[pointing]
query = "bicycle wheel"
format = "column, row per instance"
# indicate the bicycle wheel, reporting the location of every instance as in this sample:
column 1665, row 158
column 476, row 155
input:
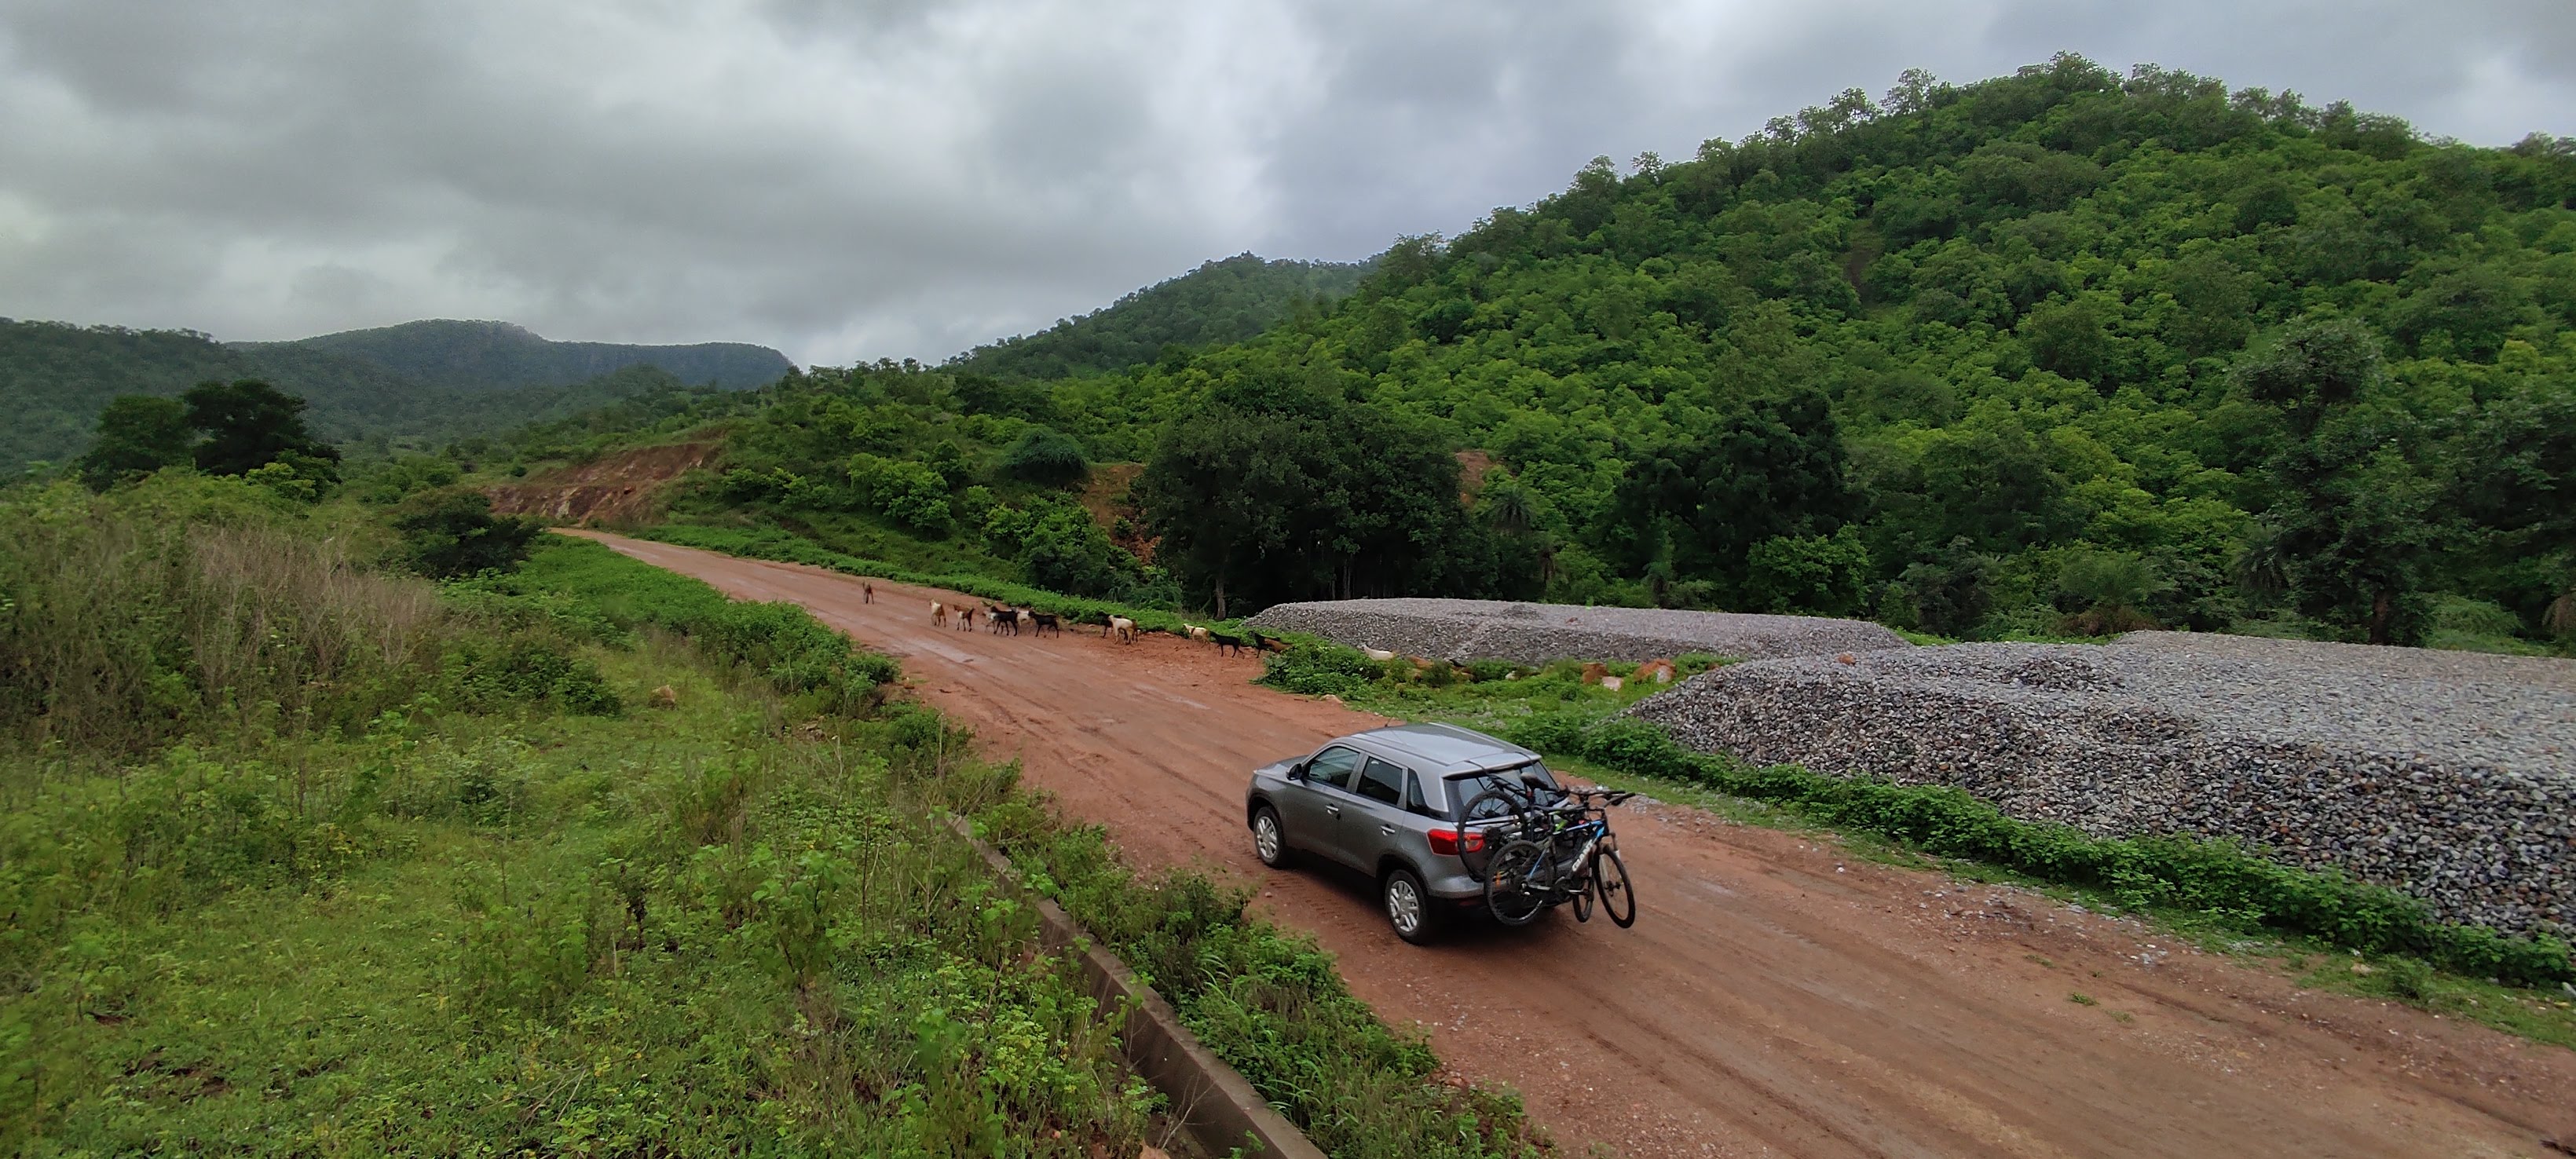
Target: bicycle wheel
column 1618, row 894
column 1496, row 814
column 1520, row 883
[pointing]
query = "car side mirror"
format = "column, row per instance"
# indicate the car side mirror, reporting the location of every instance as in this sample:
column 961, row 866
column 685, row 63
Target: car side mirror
column 1530, row 780
column 1297, row 772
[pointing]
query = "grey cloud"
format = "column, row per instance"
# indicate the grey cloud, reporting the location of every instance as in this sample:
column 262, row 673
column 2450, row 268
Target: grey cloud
column 849, row 181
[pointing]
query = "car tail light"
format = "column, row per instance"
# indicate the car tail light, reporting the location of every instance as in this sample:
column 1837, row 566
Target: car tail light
column 1451, row 843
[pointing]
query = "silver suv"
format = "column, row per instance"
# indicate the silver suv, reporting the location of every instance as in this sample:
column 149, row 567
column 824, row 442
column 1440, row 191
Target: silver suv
column 1388, row 803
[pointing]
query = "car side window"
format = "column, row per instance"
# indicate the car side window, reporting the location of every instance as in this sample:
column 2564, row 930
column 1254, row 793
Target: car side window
column 1332, row 767
column 1382, row 782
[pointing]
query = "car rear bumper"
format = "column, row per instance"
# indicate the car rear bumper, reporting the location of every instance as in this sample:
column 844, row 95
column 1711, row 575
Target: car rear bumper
column 1455, row 884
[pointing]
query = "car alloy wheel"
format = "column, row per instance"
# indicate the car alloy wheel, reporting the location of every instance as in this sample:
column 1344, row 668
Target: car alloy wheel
column 1267, row 841
column 1407, row 909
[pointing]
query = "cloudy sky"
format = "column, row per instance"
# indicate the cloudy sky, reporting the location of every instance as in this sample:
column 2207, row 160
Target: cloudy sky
column 852, row 179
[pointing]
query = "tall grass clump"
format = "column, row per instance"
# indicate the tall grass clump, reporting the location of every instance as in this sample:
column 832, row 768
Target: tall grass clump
column 128, row 619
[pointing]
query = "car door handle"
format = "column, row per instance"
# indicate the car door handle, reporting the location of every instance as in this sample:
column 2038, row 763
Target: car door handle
column 1333, row 810
column 1388, row 830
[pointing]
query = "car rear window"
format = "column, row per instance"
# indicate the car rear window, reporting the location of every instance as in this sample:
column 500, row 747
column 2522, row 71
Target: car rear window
column 1469, row 786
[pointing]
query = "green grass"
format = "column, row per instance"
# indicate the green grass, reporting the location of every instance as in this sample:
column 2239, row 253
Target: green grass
column 727, row 925
column 678, row 931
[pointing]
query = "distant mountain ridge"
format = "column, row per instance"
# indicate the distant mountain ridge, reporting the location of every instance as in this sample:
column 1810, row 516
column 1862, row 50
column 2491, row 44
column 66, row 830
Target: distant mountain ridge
column 477, row 355
column 1222, row 301
column 415, row 383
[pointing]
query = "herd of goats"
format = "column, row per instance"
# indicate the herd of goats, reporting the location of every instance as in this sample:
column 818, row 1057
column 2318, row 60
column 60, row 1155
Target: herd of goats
column 1003, row 619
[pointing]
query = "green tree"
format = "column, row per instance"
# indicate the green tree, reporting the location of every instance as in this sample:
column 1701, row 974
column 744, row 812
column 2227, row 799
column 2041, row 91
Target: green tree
column 1824, row 575
column 2356, row 517
column 1772, row 471
column 451, row 532
column 249, row 424
column 2109, row 591
column 1223, row 492
column 137, row 435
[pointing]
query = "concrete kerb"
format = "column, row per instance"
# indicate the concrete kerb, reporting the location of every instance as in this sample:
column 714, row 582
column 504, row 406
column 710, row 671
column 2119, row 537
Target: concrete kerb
column 1213, row 1101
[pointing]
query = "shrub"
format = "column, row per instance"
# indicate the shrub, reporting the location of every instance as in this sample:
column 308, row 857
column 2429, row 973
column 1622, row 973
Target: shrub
column 902, row 490
column 1319, row 668
column 488, row 675
column 1046, row 457
column 451, row 532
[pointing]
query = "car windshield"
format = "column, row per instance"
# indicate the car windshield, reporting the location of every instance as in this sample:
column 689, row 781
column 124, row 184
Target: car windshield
column 1467, row 787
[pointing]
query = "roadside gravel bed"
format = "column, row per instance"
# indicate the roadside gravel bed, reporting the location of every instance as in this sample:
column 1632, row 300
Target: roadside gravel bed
column 2449, row 775
column 1464, row 630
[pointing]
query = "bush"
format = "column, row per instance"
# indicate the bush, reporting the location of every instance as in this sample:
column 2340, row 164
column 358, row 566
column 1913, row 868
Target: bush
column 489, row 675
column 451, row 532
column 1319, row 668
column 1046, row 457
column 902, row 490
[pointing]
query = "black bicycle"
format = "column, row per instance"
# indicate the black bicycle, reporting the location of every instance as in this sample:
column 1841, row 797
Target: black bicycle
column 1552, row 847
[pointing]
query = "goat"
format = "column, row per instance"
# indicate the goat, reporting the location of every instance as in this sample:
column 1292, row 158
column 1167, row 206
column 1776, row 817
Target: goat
column 1046, row 622
column 1261, row 643
column 1006, row 620
column 1225, row 641
column 966, row 619
column 1121, row 627
column 938, row 614
column 1380, row 655
column 1195, row 632
column 867, row 593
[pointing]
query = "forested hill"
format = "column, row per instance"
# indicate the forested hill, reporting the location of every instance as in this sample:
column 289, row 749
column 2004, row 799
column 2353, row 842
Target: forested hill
column 1221, row 301
column 500, row 356
column 1981, row 358
column 55, row 378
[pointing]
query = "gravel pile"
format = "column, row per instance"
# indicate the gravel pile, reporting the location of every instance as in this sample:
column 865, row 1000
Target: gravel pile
column 2449, row 775
column 1538, row 633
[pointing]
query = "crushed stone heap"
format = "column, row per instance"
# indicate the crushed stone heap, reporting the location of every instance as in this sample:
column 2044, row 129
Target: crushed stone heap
column 2449, row 775
column 1539, row 633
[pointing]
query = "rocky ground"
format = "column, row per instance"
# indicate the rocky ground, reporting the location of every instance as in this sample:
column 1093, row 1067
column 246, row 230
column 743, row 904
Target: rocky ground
column 2450, row 775
column 1538, row 633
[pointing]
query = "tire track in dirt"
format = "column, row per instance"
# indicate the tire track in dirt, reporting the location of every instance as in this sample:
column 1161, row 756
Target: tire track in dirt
column 1775, row 998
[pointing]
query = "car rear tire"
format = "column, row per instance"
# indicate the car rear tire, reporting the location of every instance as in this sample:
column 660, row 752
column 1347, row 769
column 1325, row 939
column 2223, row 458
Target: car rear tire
column 1409, row 908
column 1269, row 839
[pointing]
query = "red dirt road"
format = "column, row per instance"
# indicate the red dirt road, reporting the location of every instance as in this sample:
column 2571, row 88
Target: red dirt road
column 1774, row 998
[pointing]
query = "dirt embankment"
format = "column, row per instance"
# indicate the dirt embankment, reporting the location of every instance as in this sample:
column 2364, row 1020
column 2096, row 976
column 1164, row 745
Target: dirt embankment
column 620, row 490
column 1106, row 495
column 1777, row 996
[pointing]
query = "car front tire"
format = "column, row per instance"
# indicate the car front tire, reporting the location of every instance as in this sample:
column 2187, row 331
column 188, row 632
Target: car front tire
column 1269, row 839
column 1412, row 910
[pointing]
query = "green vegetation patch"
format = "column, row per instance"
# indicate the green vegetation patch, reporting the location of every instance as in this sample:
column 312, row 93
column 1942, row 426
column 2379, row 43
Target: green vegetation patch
column 790, row 548
column 501, row 898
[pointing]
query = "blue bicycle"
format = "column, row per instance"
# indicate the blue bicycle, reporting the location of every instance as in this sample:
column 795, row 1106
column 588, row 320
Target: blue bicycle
column 1553, row 853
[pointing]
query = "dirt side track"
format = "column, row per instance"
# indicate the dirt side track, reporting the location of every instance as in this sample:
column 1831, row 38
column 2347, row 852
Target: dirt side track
column 1773, row 999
